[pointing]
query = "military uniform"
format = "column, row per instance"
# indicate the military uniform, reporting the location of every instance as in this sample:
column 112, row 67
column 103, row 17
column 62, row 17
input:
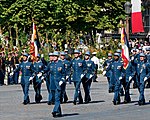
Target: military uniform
column 108, row 74
column 143, row 73
column 38, row 67
column 117, row 74
column 57, row 77
column 87, row 80
column 27, row 70
column 79, row 70
column 64, row 97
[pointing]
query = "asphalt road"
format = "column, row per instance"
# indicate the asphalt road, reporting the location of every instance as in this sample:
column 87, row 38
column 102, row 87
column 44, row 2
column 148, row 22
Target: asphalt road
column 100, row 108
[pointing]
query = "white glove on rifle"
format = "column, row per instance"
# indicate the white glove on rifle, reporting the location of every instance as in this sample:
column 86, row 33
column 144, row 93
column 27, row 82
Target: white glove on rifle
column 11, row 74
column 42, row 78
column 60, row 83
column 82, row 75
column 91, row 76
column 120, row 78
column 132, row 58
column 130, row 78
column 67, row 77
column 104, row 73
column 39, row 75
column 31, row 78
column 145, row 78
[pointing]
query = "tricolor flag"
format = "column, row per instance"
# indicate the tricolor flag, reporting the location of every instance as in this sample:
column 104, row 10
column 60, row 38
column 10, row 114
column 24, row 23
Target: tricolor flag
column 137, row 23
column 125, row 48
column 35, row 44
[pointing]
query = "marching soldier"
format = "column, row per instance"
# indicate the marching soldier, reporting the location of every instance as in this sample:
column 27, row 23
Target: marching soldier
column 51, row 94
column 67, row 64
column 133, row 58
column 108, row 74
column 57, row 77
column 27, row 70
column 79, row 71
column 117, row 74
column 38, row 67
column 143, row 73
column 87, row 80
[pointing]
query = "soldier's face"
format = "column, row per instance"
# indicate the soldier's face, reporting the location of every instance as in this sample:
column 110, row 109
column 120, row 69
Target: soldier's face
column 24, row 58
column 87, row 57
column 55, row 58
column 51, row 58
column 62, row 57
column 76, row 55
column 109, row 57
column 116, row 57
column 141, row 58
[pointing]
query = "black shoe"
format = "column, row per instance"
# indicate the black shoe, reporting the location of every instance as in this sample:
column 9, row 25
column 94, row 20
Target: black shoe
column 141, row 102
column 74, row 102
column 65, row 101
column 49, row 103
column 26, row 102
column 55, row 114
column 81, row 102
column 110, row 90
column 86, row 102
column 127, row 101
column 116, row 102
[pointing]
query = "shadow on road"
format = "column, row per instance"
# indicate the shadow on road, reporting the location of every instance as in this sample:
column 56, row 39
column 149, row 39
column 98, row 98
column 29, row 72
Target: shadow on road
column 38, row 103
column 97, row 101
column 72, row 114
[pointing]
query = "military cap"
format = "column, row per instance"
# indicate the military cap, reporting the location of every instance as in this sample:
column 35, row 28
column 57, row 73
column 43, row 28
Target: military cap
column 38, row 55
column 25, row 54
column 50, row 54
column 142, row 55
column 62, row 53
column 117, row 54
column 134, row 49
column 118, row 51
column 76, row 51
column 55, row 53
column 88, row 53
column 109, row 55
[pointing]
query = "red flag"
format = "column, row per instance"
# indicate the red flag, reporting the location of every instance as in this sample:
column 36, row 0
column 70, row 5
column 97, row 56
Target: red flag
column 35, row 44
column 125, row 48
column 137, row 23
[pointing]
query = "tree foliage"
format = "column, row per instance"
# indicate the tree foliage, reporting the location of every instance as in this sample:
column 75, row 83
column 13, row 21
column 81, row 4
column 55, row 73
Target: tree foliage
column 53, row 16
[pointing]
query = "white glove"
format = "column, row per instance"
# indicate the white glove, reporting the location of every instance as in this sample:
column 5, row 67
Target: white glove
column 120, row 78
column 39, row 75
column 42, row 78
column 104, row 72
column 82, row 75
column 91, row 76
column 31, row 78
column 11, row 74
column 130, row 78
column 132, row 58
column 67, row 77
column 60, row 83
column 145, row 78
